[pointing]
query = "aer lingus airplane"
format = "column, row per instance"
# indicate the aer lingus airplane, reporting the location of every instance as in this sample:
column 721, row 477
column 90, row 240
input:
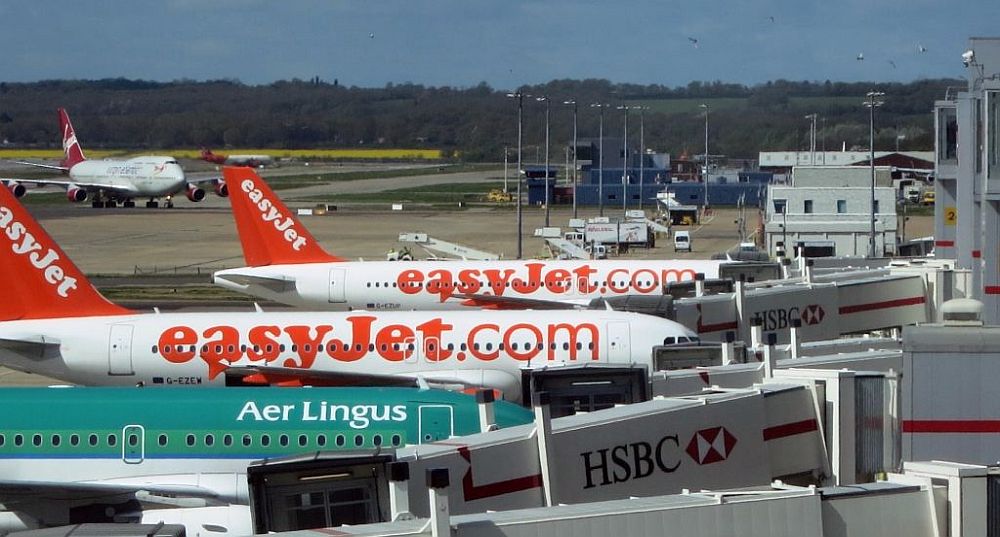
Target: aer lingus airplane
column 53, row 322
column 287, row 265
column 73, row 455
column 110, row 182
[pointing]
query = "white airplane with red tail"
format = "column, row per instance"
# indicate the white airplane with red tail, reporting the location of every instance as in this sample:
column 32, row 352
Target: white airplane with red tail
column 110, row 182
column 55, row 323
column 287, row 265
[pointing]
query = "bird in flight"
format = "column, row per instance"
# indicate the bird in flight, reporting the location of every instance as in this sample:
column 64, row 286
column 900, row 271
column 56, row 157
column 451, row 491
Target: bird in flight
column 921, row 48
column 892, row 63
column 693, row 41
column 771, row 18
column 371, row 35
column 861, row 56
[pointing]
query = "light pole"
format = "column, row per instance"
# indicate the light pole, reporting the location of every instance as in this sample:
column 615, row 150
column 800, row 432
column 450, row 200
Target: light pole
column 520, row 108
column 812, row 139
column 625, row 108
column 546, row 100
column 642, row 150
column 873, row 99
column 575, row 181
column 600, row 158
column 704, row 175
column 505, row 169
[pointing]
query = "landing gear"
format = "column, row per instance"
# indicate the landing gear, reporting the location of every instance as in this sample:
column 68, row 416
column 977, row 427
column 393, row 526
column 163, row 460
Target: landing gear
column 110, row 204
column 128, row 204
column 170, row 204
column 152, row 204
column 97, row 204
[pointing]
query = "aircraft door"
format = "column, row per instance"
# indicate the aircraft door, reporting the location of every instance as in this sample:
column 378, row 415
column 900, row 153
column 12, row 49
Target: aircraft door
column 619, row 350
column 120, row 350
column 436, row 423
column 338, row 287
column 133, row 444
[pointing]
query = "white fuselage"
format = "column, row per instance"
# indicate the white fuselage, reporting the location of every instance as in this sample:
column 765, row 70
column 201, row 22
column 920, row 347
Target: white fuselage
column 440, row 285
column 480, row 348
column 150, row 176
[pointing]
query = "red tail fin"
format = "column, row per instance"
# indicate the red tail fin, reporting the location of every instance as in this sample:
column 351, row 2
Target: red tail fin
column 208, row 156
column 269, row 232
column 42, row 283
column 72, row 152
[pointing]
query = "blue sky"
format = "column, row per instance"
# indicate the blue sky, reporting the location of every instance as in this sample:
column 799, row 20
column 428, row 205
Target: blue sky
column 504, row 43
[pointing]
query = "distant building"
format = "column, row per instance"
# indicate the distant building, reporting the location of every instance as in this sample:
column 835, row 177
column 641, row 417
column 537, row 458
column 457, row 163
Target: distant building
column 784, row 161
column 832, row 205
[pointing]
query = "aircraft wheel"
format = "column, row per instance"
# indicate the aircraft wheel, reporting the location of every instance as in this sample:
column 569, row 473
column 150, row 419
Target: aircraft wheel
column 170, row 205
column 128, row 203
column 152, row 204
column 110, row 204
column 97, row 204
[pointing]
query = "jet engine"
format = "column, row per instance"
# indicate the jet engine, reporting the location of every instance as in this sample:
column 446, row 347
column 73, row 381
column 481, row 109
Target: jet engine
column 76, row 194
column 17, row 189
column 221, row 189
column 194, row 193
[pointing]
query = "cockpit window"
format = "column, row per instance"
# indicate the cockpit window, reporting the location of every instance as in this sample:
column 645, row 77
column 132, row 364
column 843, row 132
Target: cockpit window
column 171, row 162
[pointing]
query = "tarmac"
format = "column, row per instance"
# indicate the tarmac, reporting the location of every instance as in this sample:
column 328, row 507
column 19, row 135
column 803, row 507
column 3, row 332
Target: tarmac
column 196, row 239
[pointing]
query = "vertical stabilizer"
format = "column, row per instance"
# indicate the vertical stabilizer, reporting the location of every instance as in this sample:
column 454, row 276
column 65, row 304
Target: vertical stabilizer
column 40, row 281
column 268, row 230
column 72, row 152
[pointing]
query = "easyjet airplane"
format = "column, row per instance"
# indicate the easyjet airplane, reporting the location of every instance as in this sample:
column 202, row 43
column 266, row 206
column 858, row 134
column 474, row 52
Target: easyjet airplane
column 72, row 455
column 53, row 322
column 109, row 182
column 287, row 265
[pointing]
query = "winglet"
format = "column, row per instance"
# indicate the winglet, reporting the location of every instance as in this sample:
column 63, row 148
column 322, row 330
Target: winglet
column 268, row 230
column 42, row 283
column 73, row 153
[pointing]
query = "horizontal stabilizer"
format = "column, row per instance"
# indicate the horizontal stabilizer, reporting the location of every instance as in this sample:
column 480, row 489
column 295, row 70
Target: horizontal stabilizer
column 13, row 492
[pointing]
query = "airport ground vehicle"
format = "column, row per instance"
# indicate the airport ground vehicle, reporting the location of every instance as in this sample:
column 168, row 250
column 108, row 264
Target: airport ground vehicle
column 682, row 241
column 927, row 198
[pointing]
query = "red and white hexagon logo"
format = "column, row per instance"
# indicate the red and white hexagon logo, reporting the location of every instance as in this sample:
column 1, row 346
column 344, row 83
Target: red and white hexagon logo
column 711, row 445
column 812, row 314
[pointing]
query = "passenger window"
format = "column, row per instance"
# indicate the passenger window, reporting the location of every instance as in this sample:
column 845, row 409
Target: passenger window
column 340, row 440
column 265, row 440
column 56, row 440
column 209, row 440
column 92, row 440
column 36, row 440
column 74, row 439
column 283, row 440
column 227, row 440
column 247, row 440
column 396, row 440
column 190, row 440
column 321, row 440
column 3, row 440
column 112, row 440
column 359, row 440
column 303, row 440
column 133, row 439
column 377, row 440
column 18, row 440
column 161, row 440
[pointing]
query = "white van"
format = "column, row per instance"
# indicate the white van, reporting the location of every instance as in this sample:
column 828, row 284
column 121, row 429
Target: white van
column 682, row 241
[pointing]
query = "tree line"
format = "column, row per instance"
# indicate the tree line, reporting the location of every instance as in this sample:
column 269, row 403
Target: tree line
column 473, row 124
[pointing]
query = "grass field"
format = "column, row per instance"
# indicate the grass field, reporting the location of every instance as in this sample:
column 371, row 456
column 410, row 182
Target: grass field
column 451, row 193
column 296, row 181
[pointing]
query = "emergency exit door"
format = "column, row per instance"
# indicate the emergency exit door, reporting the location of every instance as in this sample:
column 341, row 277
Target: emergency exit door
column 436, row 423
column 120, row 350
column 337, row 286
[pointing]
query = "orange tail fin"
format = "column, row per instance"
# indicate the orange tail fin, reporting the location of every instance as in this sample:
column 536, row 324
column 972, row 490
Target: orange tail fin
column 73, row 153
column 268, row 230
column 42, row 283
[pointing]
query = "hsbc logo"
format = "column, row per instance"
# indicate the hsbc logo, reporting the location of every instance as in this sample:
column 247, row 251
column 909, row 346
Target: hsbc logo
column 812, row 314
column 781, row 318
column 636, row 460
column 711, row 445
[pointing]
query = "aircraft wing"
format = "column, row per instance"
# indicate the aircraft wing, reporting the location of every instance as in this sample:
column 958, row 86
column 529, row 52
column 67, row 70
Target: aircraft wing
column 290, row 376
column 494, row 302
column 275, row 283
column 39, row 165
column 14, row 491
column 89, row 187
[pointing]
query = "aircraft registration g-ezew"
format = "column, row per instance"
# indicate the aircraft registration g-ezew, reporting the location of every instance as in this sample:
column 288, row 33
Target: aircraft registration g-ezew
column 54, row 322
column 110, row 182
column 287, row 265
column 72, row 455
